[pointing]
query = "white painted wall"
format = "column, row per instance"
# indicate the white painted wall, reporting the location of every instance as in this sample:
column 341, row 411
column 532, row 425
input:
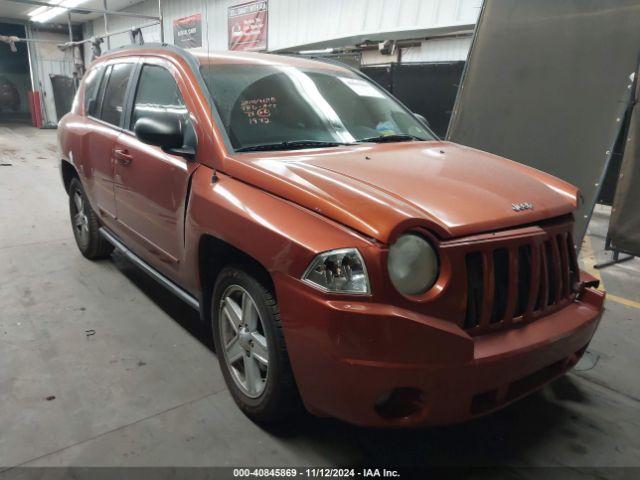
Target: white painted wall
column 300, row 22
column 438, row 50
column 433, row 50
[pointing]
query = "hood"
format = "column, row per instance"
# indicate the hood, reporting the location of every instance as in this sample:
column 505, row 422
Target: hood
column 381, row 189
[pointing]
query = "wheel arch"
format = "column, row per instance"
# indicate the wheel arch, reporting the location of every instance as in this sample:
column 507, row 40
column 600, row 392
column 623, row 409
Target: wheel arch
column 213, row 255
column 68, row 173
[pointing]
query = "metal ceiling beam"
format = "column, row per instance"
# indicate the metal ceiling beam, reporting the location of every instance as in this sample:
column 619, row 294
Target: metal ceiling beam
column 9, row 39
column 107, row 35
column 106, row 24
column 78, row 9
column 12, row 39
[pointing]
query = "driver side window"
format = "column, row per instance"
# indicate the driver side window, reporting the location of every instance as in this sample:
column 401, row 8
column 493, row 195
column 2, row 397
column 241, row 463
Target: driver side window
column 158, row 96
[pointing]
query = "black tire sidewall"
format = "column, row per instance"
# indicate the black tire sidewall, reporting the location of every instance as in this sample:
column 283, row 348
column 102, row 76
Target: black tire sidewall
column 96, row 247
column 264, row 406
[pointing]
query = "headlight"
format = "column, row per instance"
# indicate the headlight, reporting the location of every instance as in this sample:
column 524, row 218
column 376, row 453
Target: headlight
column 338, row 271
column 412, row 264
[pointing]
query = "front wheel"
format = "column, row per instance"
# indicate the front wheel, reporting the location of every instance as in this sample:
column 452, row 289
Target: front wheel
column 250, row 347
column 85, row 224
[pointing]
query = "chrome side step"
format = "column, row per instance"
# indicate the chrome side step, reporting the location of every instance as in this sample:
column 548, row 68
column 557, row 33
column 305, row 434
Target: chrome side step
column 152, row 272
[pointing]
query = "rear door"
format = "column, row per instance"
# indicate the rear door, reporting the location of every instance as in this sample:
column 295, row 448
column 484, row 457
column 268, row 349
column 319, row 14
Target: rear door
column 104, row 106
column 151, row 186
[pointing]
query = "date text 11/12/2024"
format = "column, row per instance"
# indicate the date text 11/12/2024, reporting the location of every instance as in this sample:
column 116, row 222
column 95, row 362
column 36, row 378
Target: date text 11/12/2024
column 316, row 473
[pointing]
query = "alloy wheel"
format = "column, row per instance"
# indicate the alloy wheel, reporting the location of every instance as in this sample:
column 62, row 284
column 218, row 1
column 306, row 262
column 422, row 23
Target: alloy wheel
column 244, row 341
column 80, row 219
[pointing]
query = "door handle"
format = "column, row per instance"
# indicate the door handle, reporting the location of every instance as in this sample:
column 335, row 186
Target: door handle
column 122, row 156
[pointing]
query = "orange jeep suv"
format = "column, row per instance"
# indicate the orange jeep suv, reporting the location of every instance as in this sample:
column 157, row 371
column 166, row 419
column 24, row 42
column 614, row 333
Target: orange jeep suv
column 346, row 258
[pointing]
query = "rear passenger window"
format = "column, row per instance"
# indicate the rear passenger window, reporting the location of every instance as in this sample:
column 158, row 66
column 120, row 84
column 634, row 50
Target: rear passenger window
column 113, row 99
column 91, row 87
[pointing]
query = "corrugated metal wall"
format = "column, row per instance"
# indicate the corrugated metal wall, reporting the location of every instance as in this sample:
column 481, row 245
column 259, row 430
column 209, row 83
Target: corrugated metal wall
column 47, row 59
column 299, row 22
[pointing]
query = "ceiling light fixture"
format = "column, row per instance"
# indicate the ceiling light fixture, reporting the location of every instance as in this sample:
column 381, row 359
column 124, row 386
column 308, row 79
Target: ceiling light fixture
column 45, row 14
column 39, row 10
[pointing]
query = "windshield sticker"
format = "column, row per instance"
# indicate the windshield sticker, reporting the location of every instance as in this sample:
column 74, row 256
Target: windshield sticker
column 387, row 128
column 259, row 110
column 362, row 88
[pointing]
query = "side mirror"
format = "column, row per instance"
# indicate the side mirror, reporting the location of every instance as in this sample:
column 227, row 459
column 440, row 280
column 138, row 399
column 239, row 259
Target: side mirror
column 165, row 133
column 422, row 119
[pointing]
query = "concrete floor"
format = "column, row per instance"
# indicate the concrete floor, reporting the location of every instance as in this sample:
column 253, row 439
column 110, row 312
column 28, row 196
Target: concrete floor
column 146, row 389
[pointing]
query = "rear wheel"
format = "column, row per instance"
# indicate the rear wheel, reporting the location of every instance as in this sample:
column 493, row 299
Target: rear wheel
column 85, row 224
column 250, row 347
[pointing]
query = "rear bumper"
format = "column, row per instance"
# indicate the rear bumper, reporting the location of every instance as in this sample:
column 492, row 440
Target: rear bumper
column 377, row 365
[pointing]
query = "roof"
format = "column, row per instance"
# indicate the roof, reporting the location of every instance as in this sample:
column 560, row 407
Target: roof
column 219, row 57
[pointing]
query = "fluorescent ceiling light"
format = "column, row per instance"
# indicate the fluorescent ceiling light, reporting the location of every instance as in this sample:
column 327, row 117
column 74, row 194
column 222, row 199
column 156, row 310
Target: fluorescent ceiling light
column 44, row 14
column 310, row 52
column 42, row 9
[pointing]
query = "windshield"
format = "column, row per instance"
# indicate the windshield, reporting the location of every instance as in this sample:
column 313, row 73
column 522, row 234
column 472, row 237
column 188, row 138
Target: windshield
column 291, row 107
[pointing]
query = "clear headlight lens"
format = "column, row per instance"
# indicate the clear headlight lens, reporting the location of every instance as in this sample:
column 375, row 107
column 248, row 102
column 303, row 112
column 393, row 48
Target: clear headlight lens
column 338, row 271
column 412, row 264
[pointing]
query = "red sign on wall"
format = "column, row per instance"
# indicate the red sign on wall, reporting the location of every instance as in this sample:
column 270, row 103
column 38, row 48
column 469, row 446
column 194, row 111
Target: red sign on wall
column 248, row 26
column 187, row 31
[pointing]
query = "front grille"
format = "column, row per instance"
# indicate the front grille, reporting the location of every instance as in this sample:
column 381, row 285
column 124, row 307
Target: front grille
column 520, row 279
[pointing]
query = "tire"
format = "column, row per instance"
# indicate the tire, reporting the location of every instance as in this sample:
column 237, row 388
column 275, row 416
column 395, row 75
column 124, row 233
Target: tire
column 85, row 224
column 274, row 396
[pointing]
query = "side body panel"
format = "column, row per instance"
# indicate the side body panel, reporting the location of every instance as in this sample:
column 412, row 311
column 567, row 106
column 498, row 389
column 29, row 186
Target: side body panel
column 151, row 194
column 153, row 200
column 89, row 147
column 152, row 188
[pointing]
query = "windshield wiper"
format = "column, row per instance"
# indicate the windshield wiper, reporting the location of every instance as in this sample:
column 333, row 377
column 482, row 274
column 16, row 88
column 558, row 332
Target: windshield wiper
column 290, row 145
column 396, row 137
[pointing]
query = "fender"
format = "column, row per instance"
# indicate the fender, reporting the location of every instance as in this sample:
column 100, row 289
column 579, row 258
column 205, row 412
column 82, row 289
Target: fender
column 281, row 236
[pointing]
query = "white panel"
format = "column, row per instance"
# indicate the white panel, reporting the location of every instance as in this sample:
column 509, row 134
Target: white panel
column 438, row 50
column 374, row 57
column 470, row 11
column 299, row 22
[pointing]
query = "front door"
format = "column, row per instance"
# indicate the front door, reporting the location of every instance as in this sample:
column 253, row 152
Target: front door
column 151, row 186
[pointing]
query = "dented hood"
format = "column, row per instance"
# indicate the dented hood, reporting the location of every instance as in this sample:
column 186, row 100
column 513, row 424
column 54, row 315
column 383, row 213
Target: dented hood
column 381, row 189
